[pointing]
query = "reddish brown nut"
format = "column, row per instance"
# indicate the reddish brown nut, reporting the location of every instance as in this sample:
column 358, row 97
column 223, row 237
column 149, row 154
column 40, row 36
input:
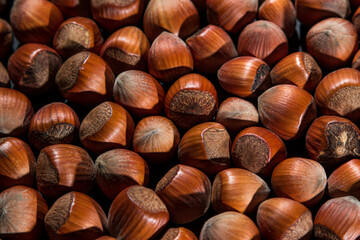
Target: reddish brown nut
column 114, row 14
column 62, row 168
column 169, row 57
column 236, row 189
column 191, row 100
column 300, row 179
column 356, row 61
column 140, row 93
column 156, row 139
column 345, row 180
column 226, row 226
column 264, row 40
column 293, row 220
column 245, row 77
column 72, row 8
column 179, row 233
column 186, row 192
column 338, row 218
column 53, row 124
column 211, row 47
column 4, row 76
column 33, row 68
column 75, row 216
column 105, row 238
column 206, row 147
column 35, row 21
column 332, row 42
column 73, row 78
column 6, row 38
column 118, row 169
column 309, row 12
column 236, row 114
column 232, row 15
column 280, row 12
column 258, row 150
column 137, row 213
column 106, row 127
column 76, row 35
column 17, row 163
column 15, row 113
column 22, row 213
column 286, row 110
column 299, row 69
column 337, row 94
column 126, row 49
column 332, row 140
column 178, row 17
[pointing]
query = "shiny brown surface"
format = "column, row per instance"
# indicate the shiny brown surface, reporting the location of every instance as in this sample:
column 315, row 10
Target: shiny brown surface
column 114, row 14
column 75, row 216
column 258, row 150
column 169, row 58
column 137, row 213
column 20, row 202
column 139, row 92
column 300, row 179
column 62, row 168
column 338, row 218
column 280, row 12
column 191, row 100
column 336, row 94
column 236, row 189
column 236, row 114
column 345, row 180
column 179, row 233
column 156, row 139
column 206, row 147
column 33, row 68
column 246, row 77
column 332, row 42
column 73, row 77
column 299, row 69
column 186, row 192
column 226, row 226
column 53, row 124
column 77, row 34
column 118, row 169
column 35, row 21
column 211, row 47
column 17, row 163
column 15, row 113
column 310, row 12
column 332, row 140
column 178, row 17
column 232, row 15
column 106, row 127
column 126, row 49
column 287, row 110
column 264, row 40
column 294, row 220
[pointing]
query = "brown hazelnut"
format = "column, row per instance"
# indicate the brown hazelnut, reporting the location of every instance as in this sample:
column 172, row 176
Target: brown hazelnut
column 76, row 35
column 33, row 67
column 191, row 100
column 53, row 124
